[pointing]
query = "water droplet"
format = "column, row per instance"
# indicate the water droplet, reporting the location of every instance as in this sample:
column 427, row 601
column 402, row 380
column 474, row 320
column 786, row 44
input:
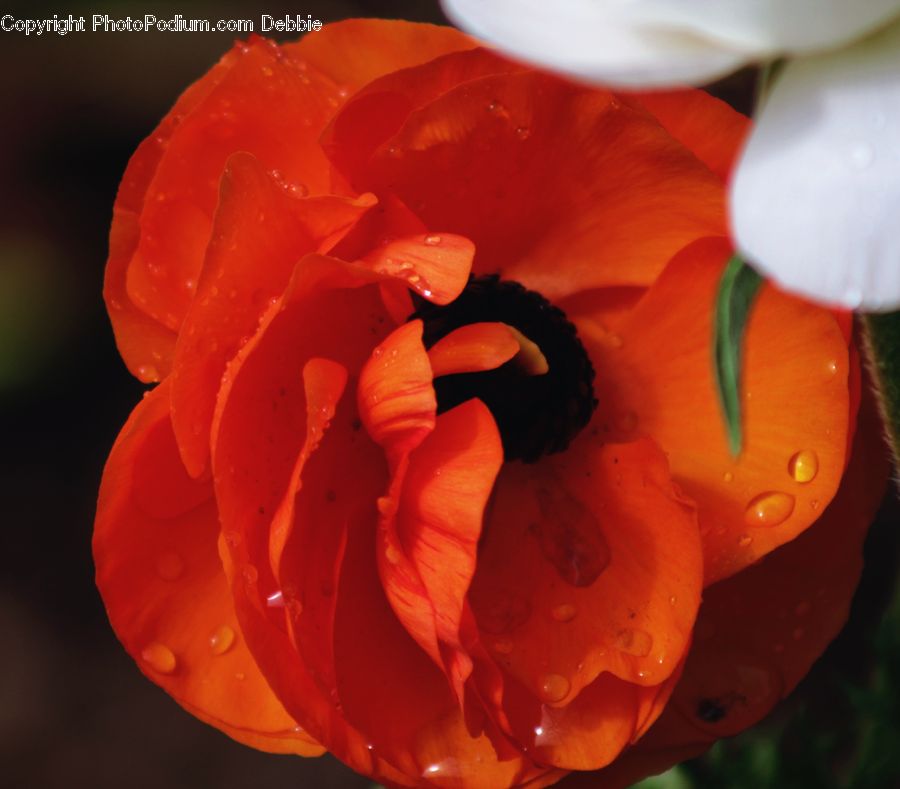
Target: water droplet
column 250, row 574
column 634, row 642
column 832, row 367
column 728, row 476
column 221, row 640
column 553, row 687
column 433, row 241
column 769, row 509
column 170, row 566
column 673, row 600
column 267, row 71
column 392, row 554
column 745, row 540
column 147, row 372
column 616, row 340
column 159, row 657
column 564, row 613
column 275, row 600
column 240, row 676
column 298, row 189
column 804, row 465
column 523, row 132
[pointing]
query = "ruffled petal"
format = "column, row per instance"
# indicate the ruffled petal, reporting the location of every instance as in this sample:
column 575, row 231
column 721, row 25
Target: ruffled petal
column 257, row 100
column 590, row 562
column 608, row 208
column 814, row 197
column 655, row 376
column 378, row 111
column 158, row 570
column 597, row 41
column 357, row 51
column 260, row 232
column 760, row 632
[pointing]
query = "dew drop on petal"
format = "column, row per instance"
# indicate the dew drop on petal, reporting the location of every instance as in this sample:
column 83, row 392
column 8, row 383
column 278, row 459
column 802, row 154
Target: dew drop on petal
column 745, row 540
column 221, row 640
column 553, row 687
column 170, row 566
column 433, row 241
column 159, row 657
column 250, row 574
column 634, row 642
column 728, row 476
column 769, row 509
column 275, row 600
column 803, row 466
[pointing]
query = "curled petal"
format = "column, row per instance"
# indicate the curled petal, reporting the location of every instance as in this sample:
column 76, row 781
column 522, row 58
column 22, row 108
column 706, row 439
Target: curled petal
column 655, row 376
column 158, row 569
column 256, row 100
column 815, row 195
column 483, row 160
column 473, row 348
column 759, row 632
column 590, row 563
column 260, row 232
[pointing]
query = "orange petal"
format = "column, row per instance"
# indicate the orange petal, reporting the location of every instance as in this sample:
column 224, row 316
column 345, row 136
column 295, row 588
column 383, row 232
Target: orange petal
column 396, row 400
column 410, row 715
column 436, row 266
column 256, row 100
column 159, row 573
column 259, row 234
column 378, row 111
column 473, row 348
column 760, row 631
column 608, row 208
column 585, row 734
column 655, row 376
column 323, row 384
column 705, row 125
column 590, row 562
column 356, row 51
column 439, row 520
column 259, row 432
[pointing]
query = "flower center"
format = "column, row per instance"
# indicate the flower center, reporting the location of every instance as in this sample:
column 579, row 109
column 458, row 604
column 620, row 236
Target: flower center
column 537, row 414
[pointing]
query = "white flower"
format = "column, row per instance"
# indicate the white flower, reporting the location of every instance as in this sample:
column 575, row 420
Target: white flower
column 815, row 201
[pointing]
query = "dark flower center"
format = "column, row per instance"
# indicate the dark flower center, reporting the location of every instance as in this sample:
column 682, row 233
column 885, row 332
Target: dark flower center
column 536, row 414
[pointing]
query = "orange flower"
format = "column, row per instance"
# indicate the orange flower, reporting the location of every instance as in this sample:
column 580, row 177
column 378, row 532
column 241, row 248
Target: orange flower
column 455, row 529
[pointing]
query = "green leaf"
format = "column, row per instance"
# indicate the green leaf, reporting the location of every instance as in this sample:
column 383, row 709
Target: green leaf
column 737, row 291
column 882, row 344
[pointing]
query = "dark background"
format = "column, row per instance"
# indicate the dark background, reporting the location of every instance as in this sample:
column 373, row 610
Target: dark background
column 74, row 710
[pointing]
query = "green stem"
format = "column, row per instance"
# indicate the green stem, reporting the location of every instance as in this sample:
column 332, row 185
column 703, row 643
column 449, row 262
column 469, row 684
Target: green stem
column 882, row 347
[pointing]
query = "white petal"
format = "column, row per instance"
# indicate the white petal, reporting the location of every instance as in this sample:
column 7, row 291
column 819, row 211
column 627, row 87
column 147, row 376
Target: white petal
column 763, row 28
column 594, row 40
column 816, row 197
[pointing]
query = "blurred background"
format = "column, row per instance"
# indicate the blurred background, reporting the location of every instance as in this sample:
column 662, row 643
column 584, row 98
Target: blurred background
column 74, row 710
